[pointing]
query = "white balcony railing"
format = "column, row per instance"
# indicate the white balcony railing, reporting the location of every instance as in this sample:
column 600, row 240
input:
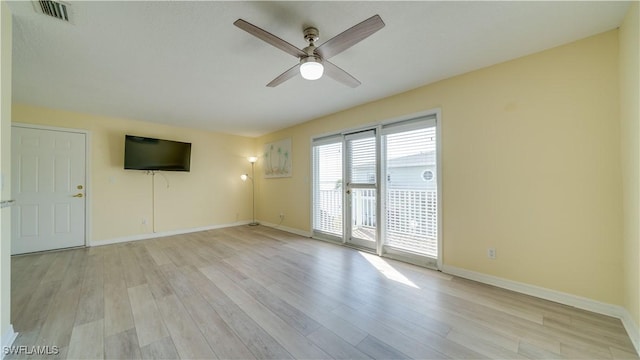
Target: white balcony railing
column 411, row 217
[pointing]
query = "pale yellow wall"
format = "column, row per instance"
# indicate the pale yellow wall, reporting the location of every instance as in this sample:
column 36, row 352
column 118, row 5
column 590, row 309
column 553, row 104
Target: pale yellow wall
column 5, row 168
column 531, row 166
column 211, row 194
column 630, row 130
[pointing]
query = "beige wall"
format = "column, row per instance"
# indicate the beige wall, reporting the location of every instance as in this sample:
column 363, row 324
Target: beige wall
column 5, row 169
column 211, row 194
column 630, row 130
column 531, row 166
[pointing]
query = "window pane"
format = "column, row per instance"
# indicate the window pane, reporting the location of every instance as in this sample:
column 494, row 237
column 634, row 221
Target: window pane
column 411, row 203
column 327, row 185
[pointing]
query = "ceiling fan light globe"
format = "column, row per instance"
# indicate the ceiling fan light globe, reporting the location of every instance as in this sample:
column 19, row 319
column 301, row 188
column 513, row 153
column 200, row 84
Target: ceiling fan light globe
column 311, row 70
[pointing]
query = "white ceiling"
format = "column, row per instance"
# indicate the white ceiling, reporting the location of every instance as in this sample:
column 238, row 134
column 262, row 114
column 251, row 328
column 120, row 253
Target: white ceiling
column 184, row 63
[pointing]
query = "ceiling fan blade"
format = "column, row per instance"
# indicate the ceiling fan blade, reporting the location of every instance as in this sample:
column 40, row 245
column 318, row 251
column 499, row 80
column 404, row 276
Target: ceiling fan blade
column 339, row 75
column 269, row 38
column 350, row 37
column 285, row 76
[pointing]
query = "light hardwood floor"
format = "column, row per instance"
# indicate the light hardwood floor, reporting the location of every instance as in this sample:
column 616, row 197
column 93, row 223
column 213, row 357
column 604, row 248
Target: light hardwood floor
column 258, row 293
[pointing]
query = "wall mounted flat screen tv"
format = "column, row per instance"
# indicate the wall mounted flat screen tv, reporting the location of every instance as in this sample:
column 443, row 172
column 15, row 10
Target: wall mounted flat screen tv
column 142, row 153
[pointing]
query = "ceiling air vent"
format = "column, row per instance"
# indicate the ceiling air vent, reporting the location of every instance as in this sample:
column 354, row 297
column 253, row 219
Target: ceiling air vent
column 56, row 9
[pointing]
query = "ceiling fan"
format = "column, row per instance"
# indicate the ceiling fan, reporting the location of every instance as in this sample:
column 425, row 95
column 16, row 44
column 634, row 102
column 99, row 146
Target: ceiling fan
column 314, row 60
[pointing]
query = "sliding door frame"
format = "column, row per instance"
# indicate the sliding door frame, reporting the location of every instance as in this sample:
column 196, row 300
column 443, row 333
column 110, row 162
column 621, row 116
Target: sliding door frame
column 416, row 122
column 381, row 186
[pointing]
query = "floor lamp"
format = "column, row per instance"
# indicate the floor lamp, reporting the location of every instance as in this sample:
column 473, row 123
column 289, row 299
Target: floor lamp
column 244, row 177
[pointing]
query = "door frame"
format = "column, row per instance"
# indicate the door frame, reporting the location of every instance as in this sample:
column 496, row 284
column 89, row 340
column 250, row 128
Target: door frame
column 87, row 172
column 437, row 112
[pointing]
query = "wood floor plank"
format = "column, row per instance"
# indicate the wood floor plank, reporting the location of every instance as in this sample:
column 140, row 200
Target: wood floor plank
column 218, row 248
column 291, row 315
column 58, row 325
column 293, row 341
column 323, row 316
column 157, row 282
column 148, row 322
column 334, row 345
column 118, row 316
column 123, row 345
column 58, row 267
column 133, row 275
column 91, row 304
column 376, row 349
column 33, row 315
column 178, row 281
column 583, row 339
column 87, row 341
column 221, row 338
column 246, row 266
column 533, row 352
column 576, row 352
column 401, row 342
column 160, row 349
column 484, row 347
column 185, row 334
column 259, row 342
column 159, row 257
column 618, row 354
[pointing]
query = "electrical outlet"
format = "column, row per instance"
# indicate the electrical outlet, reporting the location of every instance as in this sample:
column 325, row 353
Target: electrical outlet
column 491, row 253
column 144, row 221
column 281, row 215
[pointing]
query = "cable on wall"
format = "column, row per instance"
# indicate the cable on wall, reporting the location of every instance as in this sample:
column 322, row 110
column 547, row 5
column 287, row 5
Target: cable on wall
column 153, row 200
column 153, row 195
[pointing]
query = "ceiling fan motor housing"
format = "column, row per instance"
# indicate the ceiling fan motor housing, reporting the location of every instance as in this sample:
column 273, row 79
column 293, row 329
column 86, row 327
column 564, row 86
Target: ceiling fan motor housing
column 311, row 35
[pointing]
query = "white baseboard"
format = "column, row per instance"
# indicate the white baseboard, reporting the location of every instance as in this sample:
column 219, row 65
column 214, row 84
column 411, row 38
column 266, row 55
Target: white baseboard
column 7, row 339
column 555, row 296
column 164, row 234
column 287, row 229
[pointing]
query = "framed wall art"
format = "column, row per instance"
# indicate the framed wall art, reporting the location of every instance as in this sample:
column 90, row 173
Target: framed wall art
column 277, row 159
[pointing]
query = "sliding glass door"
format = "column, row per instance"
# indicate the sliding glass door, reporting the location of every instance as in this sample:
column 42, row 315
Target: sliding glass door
column 362, row 189
column 378, row 189
column 411, row 188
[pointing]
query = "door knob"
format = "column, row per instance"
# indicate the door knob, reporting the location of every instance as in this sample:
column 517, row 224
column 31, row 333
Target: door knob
column 79, row 195
column 348, row 192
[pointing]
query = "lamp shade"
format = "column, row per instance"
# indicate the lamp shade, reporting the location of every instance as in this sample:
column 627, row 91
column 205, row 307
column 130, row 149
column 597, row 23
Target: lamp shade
column 252, row 159
column 311, row 68
column 244, row 177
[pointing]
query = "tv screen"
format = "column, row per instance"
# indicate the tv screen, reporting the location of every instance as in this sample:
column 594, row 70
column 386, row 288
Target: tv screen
column 142, row 153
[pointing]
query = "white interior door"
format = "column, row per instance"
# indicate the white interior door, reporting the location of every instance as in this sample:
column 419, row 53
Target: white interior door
column 48, row 177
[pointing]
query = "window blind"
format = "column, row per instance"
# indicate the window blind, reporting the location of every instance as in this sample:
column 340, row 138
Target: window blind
column 361, row 157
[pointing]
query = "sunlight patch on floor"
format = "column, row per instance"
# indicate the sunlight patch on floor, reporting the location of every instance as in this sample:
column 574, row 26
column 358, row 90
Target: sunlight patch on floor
column 387, row 270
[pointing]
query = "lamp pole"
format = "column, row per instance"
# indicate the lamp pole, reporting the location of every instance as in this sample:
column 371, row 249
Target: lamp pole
column 253, row 195
column 253, row 160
